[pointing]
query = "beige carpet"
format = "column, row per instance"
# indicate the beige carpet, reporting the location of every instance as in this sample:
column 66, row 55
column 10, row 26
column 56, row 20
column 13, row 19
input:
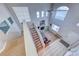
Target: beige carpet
column 14, row 47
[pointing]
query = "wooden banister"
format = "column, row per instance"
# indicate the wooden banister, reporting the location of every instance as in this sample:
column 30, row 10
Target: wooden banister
column 38, row 41
column 30, row 47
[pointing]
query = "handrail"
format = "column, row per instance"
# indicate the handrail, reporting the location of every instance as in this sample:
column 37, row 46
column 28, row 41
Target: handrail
column 37, row 38
column 29, row 44
column 41, row 38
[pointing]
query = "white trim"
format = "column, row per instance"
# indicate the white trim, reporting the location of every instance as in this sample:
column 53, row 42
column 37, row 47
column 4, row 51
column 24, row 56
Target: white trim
column 4, row 46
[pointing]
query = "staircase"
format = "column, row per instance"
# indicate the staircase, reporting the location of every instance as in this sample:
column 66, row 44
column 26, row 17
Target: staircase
column 36, row 39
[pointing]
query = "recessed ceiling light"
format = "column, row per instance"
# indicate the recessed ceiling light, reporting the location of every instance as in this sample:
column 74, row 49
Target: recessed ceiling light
column 77, row 24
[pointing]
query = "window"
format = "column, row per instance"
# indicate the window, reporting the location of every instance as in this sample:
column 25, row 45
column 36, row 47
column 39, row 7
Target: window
column 4, row 26
column 61, row 12
column 46, row 14
column 42, row 13
column 55, row 27
column 38, row 14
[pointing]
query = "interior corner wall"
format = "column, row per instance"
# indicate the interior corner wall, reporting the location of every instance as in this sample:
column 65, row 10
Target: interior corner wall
column 68, row 30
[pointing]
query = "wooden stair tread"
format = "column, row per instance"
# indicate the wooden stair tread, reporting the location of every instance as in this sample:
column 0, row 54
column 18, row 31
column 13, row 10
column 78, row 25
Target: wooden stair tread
column 36, row 39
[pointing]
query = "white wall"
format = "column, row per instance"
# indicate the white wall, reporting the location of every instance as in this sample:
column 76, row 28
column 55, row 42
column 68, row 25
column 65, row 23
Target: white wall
column 14, row 30
column 33, row 7
column 69, row 31
column 38, row 7
column 12, row 33
column 29, row 44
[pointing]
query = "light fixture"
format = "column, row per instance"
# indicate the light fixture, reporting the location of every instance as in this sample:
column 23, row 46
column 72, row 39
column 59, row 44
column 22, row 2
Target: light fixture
column 77, row 24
